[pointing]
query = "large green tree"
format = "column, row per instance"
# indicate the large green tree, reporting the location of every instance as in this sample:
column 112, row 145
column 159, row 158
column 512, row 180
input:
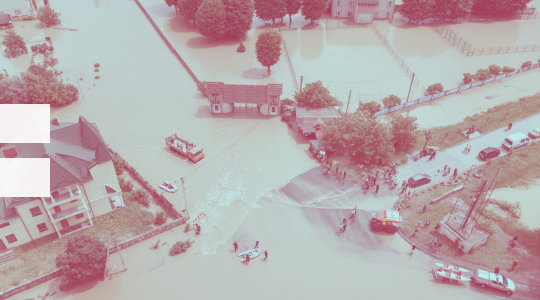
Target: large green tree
column 14, row 43
column 315, row 95
column 172, row 3
column 83, row 260
column 270, row 9
column 452, row 9
column 48, row 16
column 391, row 101
column 188, row 8
column 313, row 9
column 417, row 10
column 13, row 90
column 238, row 17
column 403, row 130
column 268, row 48
column 211, row 18
column 364, row 138
column 498, row 8
column 293, row 7
column 372, row 107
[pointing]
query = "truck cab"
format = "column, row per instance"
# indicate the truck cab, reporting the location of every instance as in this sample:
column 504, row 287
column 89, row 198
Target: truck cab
column 388, row 220
column 496, row 281
column 195, row 154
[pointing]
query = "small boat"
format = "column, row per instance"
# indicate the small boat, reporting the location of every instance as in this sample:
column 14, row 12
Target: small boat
column 448, row 267
column 450, row 273
column 252, row 254
column 169, row 187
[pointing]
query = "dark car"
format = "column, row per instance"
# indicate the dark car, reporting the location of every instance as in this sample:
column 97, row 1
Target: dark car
column 418, row 180
column 489, row 152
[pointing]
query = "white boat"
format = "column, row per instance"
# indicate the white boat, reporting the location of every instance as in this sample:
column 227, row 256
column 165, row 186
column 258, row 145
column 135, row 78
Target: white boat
column 451, row 273
column 252, row 254
column 169, row 187
column 450, row 267
column 454, row 276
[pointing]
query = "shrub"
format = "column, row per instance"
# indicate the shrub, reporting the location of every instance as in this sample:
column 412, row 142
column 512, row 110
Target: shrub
column 96, row 65
column 372, row 107
column 526, row 64
column 494, row 70
column 483, row 74
column 28, row 18
column 180, row 247
column 201, row 87
column 125, row 185
column 161, row 218
column 119, row 164
column 96, row 70
column 97, row 77
column 41, row 48
column 48, row 16
column 391, row 101
column 141, row 196
column 14, row 43
column 508, row 70
column 83, row 260
column 468, row 78
column 288, row 102
column 186, row 228
column 146, row 217
column 435, row 88
column 241, row 48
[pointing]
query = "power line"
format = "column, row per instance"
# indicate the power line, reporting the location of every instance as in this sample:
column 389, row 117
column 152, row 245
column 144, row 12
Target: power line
column 367, row 80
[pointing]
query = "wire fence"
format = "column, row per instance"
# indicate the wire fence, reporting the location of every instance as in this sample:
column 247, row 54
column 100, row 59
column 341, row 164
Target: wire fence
column 291, row 67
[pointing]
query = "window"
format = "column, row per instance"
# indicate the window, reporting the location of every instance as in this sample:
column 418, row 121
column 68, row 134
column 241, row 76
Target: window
column 4, row 225
column 349, row 14
column 388, row 15
column 35, row 211
column 273, row 109
column 338, row 13
column 216, row 107
column 389, row 3
column 109, row 189
column 17, row 12
column 351, row 3
column 338, row 2
column 79, row 216
column 11, row 238
column 42, row 227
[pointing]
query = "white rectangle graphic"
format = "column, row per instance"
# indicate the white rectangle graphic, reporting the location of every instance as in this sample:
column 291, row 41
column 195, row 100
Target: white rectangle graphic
column 25, row 177
column 25, row 123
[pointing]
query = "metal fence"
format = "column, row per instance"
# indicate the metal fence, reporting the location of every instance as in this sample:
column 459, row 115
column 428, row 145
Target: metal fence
column 455, row 90
column 291, row 67
column 458, row 41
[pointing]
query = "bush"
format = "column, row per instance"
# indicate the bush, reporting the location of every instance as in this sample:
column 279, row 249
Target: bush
column 125, row 185
column 96, row 70
column 241, row 48
column 526, row 64
column 14, row 43
column 97, row 77
column 48, row 16
column 28, row 18
column 186, row 228
column 83, row 260
column 495, row 70
column 180, row 247
column 483, row 74
column 468, row 78
column 141, row 196
column 372, row 107
column 201, row 87
column 41, row 48
column 391, row 101
column 435, row 88
column 161, row 218
column 96, row 65
column 508, row 70
column 119, row 165
column 288, row 102
column 146, row 217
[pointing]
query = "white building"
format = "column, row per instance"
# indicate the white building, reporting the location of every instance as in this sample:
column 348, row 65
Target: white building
column 15, row 8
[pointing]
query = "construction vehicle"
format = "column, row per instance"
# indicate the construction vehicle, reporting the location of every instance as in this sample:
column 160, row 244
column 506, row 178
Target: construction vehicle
column 388, row 220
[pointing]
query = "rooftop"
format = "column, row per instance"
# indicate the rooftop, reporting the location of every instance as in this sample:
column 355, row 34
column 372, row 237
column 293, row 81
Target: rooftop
column 242, row 93
column 323, row 112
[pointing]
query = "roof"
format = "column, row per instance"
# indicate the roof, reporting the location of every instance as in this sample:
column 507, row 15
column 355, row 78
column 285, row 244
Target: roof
column 4, row 19
column 324, row 112
column 241, row 93
column 13, row 4
column 318, row 144
column 6, row 213
column 375, row 2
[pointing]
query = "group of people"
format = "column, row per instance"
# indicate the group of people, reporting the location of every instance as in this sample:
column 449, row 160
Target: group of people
column 328, row 168
column 247, row 257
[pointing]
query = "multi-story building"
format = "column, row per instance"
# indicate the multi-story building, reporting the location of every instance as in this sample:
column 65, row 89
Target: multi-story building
column 363, row 11
column 83, row 185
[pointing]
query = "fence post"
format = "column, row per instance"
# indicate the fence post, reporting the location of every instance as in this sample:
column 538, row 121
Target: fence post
column 525, row 48
column 533, row 48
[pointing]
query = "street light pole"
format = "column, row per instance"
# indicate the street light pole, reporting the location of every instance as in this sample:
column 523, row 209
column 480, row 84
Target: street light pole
column 185, row 199
column 78, row 85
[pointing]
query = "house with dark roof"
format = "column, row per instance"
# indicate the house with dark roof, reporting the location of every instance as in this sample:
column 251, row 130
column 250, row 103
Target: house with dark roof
column 363, row 11
column 83, row 185
column 224, row 96
column 309, row 120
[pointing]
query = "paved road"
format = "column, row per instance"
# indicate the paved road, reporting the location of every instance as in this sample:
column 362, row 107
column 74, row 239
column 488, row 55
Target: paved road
column 455, row 158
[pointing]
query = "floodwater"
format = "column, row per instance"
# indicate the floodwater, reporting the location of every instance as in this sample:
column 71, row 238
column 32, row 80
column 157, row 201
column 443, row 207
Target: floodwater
column 500, row 34
column 530, row 209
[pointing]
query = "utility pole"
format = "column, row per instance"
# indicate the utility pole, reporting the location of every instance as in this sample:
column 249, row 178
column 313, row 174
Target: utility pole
column 301, row 79
column 185, row 199
column 410, row 87
column 476, row 199
column 78, row 85
column 347, row 110
column 113, row 234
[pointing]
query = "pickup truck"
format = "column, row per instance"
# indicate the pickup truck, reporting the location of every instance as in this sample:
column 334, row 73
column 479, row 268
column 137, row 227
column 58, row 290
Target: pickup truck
column 496, row 281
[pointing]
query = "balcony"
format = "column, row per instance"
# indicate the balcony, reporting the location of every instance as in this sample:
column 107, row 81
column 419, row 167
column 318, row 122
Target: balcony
column 69, row 212
column 72, row 229
column 71, row 194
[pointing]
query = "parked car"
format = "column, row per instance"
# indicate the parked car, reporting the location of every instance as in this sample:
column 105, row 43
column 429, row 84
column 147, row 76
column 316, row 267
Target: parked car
column 418, row 180
column 516, row 140
column 489, row 152
column 496, row 281
column 535, row 133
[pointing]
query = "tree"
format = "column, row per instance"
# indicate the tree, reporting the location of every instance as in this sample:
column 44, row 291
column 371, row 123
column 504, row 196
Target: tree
column 526, row 64
column 391, row 101
column 315, row 95
column 211, row 18
column 14, row 43
column 171, row 3
column 468, row 78
column 416, row 10
column 508, row 70
column 435, row 88
column 452, row 9
column 238, row 17
column 43, row 91
column 494, row 70
column 188, row 8
column 180, row 247
column 498, row 8
column 13, row 90
column 288, row 102
column 403, row 130
column 83, row 260
column 292, row 7
column 482, row 74
column 48, row 16
column 268, row 48
column 364, row 138
column 372, row 107
column 270, row 9
column 313, row 9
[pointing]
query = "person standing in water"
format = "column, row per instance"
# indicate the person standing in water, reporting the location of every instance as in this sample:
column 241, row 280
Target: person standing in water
column 235, row 244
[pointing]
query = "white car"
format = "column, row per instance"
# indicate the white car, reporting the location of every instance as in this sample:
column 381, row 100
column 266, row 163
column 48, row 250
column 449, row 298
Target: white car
column 496, row 281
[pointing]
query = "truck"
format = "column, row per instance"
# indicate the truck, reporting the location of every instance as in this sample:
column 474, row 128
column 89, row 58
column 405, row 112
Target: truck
column 184, row 148
column 493, row 280
column 388, row 220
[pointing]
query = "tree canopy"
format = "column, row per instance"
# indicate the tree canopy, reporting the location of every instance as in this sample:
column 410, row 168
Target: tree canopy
column 498, row 8
column 188, row 8
column 315, row 95
column 14, row 43
column 268, row 48
column 313, row 9
column 364, row 138
column 391, row 101
column 292, row 7
column 83, row 260
column 417, row 10
column 270, row 9
column 48, row 16
column 238, row 17
column 452, row 9
column 372, row 107
column 211, row 18
column 403, row 130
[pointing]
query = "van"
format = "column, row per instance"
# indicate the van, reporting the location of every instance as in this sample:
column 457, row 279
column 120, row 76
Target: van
column 516, row 140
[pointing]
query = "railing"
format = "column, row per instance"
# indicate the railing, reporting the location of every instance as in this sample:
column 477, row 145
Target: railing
column 74, row 228
column 291, row 67
column 68, row 212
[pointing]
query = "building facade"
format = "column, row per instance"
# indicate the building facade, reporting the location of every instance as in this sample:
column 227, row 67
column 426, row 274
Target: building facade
column 222, row 97
column 15, row 8
column 310, row 120
column 363, row 11
column 83, row 186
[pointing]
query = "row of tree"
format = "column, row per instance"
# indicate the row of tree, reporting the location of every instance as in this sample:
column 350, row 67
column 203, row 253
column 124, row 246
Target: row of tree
column 219, row 18
column 417, row 10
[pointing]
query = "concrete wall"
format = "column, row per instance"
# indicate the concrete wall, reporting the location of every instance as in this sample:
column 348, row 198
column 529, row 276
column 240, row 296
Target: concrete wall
column 101, row 206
